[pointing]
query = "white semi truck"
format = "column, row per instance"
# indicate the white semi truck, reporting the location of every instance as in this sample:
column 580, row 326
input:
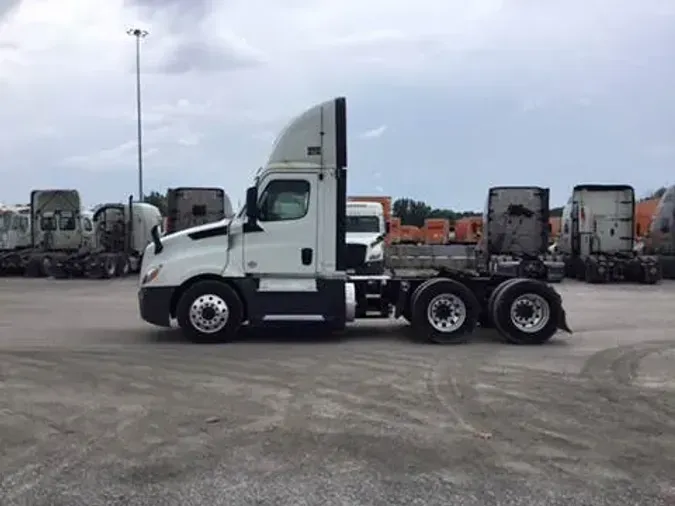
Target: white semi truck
column 366, row 230
column 69, row 242
column 284, row 258
column 516, row 234
column 597, row 237
column 15, row 237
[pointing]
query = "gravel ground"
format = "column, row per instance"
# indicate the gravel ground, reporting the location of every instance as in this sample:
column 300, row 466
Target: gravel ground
column 99, row 408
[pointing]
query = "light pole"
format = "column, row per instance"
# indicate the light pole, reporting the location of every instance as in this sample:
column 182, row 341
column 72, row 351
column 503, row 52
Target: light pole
column 139, row 34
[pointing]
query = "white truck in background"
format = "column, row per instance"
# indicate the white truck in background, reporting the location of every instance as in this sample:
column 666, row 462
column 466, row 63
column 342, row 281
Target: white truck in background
column 365, row 234
column 66, row 241
column 284, row 258
column 192, row 206
column 515, row 237
column 15, row 237
column 597, row 237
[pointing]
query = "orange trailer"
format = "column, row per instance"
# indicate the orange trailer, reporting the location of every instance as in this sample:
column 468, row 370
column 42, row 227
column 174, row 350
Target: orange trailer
column 394, row 236
column 469, row 229
column 644, row 213
column 436, row 231
column 410, row 234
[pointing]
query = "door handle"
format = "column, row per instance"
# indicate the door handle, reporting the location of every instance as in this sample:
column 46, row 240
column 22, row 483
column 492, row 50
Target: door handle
column 306, row 256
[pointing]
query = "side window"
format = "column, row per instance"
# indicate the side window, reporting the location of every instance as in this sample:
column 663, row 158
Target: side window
column 284, row 200
column 86, row 224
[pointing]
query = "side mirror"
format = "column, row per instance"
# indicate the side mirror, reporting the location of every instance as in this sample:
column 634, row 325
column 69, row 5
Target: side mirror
column 664, row 229
column 252, row 204
column 387, row 227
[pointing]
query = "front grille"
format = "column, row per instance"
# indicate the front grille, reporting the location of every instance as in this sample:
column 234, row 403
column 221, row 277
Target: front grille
column 356, row 255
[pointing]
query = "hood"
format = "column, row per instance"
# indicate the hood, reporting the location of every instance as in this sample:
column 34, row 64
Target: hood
column 199, row 228
column 365, row 238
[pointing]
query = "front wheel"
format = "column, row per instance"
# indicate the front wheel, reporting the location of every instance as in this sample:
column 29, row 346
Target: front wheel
column 526, row 311
column 444, row 311
column 209, row 312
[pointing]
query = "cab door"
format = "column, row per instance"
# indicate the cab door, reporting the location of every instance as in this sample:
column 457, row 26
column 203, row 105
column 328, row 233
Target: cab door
column 285, row 247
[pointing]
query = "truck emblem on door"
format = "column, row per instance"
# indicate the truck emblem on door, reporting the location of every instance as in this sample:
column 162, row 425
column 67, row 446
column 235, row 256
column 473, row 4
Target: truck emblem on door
column 252, row 264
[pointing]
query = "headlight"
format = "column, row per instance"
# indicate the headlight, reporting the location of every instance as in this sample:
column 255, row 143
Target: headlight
column 151, row 274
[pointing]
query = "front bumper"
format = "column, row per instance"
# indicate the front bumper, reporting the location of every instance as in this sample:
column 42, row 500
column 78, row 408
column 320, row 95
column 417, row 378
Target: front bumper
column 154, row 304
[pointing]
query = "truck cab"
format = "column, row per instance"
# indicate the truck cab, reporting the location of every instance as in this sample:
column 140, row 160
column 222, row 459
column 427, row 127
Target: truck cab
column 597, row 238
column 284, row 254
column 366, row 231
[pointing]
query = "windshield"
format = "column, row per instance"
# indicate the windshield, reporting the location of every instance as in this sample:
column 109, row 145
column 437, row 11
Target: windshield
column 363, row 224
column 5, row 221
column 48, row 223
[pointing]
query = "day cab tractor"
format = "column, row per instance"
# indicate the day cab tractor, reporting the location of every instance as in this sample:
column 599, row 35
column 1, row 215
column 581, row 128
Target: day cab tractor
column 597, row 238
column 121, row 233
column 516, row 234
column 58, row 228
column 283, row 258
column 15, row 238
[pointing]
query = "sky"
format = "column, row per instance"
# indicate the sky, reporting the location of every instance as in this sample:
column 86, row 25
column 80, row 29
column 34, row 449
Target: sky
column 445, row 98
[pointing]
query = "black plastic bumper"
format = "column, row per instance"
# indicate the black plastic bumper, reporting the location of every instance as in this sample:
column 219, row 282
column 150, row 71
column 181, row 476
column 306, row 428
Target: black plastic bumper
column 154, row 304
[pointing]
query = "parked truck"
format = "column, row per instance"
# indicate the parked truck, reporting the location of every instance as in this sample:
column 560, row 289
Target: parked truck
column 366, row 230
column 516, row 234
column 660, row 240
column 69, row 242
column 284, row 258
column 191, row 206
column 121, row 233
column 15, row 238
column 597, row 239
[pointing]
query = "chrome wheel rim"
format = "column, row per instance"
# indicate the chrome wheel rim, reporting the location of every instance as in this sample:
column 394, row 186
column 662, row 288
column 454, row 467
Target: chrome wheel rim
column 446, row 313
column 530, row 313
column 209, row 313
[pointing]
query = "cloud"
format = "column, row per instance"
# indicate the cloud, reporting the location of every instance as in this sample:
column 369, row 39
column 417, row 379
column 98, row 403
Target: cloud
column 448, row 81
column 374, row 133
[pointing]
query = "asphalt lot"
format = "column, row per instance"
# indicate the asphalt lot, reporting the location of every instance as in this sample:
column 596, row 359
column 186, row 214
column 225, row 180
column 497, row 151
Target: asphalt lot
column 97, row 407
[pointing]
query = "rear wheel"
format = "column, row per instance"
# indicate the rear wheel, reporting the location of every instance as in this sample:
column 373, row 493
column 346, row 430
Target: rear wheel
column 209, row 312
column 109, row 266
column 526, row 311
column 493, row 296
column 444, row 311
column 122, row 268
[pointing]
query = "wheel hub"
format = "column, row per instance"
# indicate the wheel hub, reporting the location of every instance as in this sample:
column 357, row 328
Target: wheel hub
column 530, row 313
column 209, row 313
column 446, row 313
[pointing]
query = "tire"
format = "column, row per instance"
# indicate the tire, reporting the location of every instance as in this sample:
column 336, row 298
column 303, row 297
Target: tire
column 122, row 269
column 109, row 267
column 493, row 296
column 434, row 298
column 46, row 266
column 214, row 295
column 528, row 294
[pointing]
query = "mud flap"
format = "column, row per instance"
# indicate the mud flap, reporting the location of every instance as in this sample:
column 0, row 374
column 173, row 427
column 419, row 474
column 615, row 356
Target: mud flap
column 562, row 318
